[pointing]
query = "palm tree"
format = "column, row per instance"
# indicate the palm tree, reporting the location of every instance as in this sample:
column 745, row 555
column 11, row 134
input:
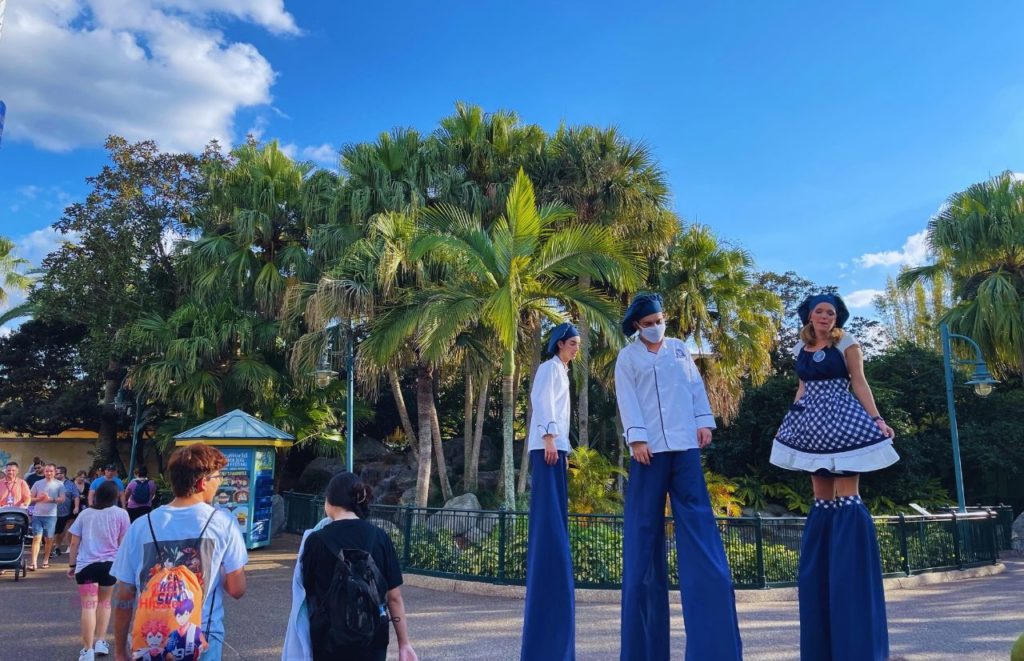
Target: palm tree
column 611, row 182
column 10, row 267
column 521, row 265
column 710, row 295
column 978, row 242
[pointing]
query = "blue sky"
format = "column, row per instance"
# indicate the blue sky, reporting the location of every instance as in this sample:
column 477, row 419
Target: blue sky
column 819, row 136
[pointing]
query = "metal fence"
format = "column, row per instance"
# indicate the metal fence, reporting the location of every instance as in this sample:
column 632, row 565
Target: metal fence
column 490, row 546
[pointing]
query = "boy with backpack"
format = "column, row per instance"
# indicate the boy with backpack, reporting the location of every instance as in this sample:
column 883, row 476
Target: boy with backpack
column 138, row 495
column 176, row 562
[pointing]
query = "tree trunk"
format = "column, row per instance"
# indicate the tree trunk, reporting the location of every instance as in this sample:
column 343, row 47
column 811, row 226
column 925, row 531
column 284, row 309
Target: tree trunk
column 583, row 373
column 473, row 461
column 106, row 441
column 424, row 401
column 508, row 467
column 403, row 412
column 467, row 426
column 524, row 466
column 442, row 465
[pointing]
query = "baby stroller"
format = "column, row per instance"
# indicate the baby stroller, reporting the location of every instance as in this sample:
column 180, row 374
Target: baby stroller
column 13, row 531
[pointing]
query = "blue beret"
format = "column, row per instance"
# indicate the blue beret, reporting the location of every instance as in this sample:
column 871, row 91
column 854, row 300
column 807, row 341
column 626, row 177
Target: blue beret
column 561, row 332
column 811, row 302
column 642, row 305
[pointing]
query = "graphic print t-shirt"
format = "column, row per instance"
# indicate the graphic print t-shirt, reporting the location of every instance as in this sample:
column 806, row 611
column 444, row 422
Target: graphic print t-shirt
column 220, row 551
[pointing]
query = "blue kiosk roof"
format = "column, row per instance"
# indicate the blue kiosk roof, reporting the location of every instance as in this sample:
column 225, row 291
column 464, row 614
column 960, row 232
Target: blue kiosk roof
column 236, row 427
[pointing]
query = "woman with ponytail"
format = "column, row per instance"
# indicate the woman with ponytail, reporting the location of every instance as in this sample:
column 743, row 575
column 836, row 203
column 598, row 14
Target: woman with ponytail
column 347, row 504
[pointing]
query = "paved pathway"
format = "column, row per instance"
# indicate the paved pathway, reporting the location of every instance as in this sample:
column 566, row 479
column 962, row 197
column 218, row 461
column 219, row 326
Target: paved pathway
column 971, row 620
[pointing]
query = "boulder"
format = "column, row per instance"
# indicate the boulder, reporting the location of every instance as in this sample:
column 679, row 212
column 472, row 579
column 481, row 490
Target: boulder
column 475, row 536
column 391, row 529
column 368, row 449
column 454, row 516
column 278, row 515
column 318, row 473
column 1017, row 539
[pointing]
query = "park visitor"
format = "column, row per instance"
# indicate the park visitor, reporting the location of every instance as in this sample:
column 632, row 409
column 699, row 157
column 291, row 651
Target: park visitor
column 138, row 495
column 667, row 420
column 109, row 473
column 191, row 544
column 95, row 537
column 66, row 511
column 356, row 556
column 47, row 495
column 14, row 491
column 835, row 436
column 549, row 625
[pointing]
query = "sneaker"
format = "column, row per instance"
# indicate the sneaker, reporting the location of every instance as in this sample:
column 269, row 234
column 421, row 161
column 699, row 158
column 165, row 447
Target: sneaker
column 86, row 655
column 101, row 648
column 57, row 552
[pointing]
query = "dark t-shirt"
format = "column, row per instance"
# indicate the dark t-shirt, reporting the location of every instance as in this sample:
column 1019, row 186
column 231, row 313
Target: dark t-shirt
column 33, row 478
column 318, row 564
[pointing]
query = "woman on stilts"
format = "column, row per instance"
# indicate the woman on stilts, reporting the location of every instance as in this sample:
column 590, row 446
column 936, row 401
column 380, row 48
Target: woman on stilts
column 835, row 435
column 549, row 626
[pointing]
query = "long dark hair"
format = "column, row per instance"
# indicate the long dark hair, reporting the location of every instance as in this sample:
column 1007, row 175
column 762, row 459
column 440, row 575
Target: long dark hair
column 106, row 495
column 346, row 490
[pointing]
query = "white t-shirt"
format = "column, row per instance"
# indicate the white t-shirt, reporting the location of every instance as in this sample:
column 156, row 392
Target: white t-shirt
column 220, row 551
column 52, row 488
column 101, row 532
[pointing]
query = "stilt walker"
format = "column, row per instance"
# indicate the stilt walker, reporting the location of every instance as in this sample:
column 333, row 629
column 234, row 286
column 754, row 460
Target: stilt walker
column 835, row 435
column 549, row 624
column 667, row 421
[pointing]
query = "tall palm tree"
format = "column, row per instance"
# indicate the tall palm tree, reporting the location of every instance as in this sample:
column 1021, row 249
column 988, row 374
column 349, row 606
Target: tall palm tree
column 978, row 242
column 711, row 297
column 608, row 181
column 521, row 264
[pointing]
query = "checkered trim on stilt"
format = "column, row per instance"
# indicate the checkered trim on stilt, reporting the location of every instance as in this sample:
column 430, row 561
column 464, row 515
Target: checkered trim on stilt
column 821, row 502
column 845, row 501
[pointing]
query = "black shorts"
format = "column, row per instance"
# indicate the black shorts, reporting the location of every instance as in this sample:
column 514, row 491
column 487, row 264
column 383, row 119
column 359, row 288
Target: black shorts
column 136, row 512
column 96, row 572
column 62, row 523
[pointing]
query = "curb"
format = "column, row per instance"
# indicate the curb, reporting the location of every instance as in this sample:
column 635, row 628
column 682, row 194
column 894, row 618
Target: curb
column 587, row 596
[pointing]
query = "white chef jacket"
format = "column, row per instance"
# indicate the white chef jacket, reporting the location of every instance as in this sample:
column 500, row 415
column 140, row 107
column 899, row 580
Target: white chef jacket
column 661, row 396
column 550, row 399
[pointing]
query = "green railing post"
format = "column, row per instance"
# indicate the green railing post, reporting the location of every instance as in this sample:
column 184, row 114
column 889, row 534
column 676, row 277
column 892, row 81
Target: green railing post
column 904, row 547
column 502, row 513
column 762, row 578
column 991, row 520
column 407, row 541
column 958, row 557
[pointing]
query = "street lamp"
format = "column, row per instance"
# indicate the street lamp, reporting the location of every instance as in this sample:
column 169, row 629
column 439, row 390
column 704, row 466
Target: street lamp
column 981, row 380
column 323, row 375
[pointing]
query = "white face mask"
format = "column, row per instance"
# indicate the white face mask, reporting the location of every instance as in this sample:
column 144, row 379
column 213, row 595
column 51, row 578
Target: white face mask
column 655, row 333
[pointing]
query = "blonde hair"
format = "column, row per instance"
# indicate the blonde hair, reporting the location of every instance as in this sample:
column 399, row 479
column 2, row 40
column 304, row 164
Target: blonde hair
column 807, row 335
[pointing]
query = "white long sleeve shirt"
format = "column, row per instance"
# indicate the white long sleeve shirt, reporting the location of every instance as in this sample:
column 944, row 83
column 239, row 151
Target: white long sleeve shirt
column 661, row 396
column 550, row 399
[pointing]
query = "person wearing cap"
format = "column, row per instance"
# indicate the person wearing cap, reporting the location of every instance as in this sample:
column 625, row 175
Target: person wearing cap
column 109, row 473
column 667, row 420
column 835, row 435
column 549, row 625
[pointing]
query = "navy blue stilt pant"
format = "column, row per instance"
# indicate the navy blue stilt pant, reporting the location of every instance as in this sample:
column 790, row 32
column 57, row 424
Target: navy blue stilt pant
column 813, row 583
column 709, row 603
column 549, row 622
column 857, row 599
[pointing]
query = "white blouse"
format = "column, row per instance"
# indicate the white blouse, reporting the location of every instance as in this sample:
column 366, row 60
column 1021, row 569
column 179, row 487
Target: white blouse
column 550, row 399
column 661, row 396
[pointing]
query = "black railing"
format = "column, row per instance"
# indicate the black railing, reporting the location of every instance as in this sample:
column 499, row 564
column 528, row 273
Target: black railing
column 490, row 546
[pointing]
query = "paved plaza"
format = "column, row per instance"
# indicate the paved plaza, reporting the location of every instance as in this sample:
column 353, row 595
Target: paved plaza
column 970, row 620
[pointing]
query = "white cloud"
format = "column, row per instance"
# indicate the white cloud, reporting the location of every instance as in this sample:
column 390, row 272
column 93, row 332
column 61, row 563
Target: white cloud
column 325, row 154
column 913, row 253
column 291, row 150
column 861, row 298
column 75, row 71
column 36, row 246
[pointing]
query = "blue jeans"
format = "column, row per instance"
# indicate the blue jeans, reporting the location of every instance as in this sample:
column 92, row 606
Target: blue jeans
column 45, row 526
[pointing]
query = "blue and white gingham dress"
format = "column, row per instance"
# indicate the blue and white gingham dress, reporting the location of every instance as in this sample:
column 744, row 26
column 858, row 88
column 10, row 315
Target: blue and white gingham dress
column 828, row 428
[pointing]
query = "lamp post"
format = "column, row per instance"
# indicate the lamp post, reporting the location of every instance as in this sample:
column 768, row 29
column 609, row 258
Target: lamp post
column 324, row 375
column 981, row 380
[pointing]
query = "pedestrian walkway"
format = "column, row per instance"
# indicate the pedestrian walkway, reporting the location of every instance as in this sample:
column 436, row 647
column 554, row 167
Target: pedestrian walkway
column 971, row 620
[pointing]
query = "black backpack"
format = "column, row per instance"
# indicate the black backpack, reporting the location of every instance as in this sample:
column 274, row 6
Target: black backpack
column 353, row 610
column 141, row 494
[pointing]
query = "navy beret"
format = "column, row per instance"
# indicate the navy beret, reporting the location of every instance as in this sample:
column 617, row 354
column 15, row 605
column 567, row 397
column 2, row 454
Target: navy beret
column 643, row 304
column 562, row 331
column 811, row 302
